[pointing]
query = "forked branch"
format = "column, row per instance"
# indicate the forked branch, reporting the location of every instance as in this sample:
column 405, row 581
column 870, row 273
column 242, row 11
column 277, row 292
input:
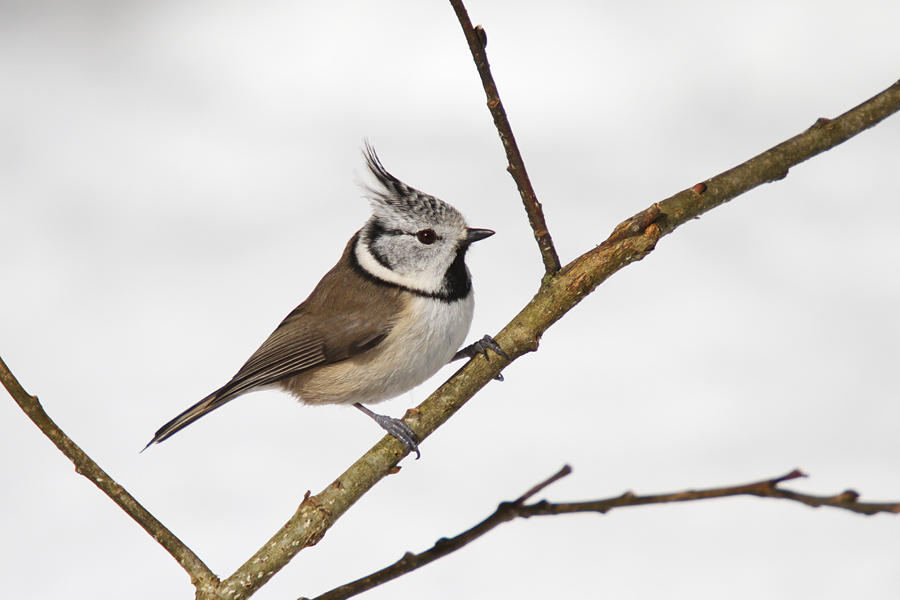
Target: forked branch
column 507, row 511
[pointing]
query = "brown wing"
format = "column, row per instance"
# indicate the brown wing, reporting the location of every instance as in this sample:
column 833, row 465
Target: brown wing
column 305, row 340
column 344, row 316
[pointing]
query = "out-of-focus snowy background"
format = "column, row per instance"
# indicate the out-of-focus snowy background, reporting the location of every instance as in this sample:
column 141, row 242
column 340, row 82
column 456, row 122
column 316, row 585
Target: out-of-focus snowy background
column 176, row 176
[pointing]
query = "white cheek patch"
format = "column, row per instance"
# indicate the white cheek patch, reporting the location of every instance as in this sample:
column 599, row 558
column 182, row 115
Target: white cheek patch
column 428, row 283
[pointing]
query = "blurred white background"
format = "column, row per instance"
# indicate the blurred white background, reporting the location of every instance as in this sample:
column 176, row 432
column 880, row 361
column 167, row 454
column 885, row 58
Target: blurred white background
column 176, row 176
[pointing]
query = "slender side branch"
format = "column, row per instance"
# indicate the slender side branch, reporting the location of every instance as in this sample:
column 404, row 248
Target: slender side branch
column 847, row 500
column 201, row 576
column 507, row 511
column 477, row 39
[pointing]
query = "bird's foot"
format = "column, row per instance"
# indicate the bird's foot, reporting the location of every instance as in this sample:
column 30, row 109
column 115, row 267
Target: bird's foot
column 481, row 347
column 396, row 428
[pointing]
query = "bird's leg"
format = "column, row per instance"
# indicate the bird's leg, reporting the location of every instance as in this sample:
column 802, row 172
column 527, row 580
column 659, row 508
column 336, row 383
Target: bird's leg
column 481, row 347
column 396, row 428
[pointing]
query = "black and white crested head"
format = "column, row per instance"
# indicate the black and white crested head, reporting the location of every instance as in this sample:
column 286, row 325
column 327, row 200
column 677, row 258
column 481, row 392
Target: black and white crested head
column 395, row 202
column 414, row 240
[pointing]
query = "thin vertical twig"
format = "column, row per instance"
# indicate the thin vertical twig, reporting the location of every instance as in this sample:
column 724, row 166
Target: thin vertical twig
column 477, row 41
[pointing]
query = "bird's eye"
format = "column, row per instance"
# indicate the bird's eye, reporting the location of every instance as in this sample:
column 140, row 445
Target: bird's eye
column 426, row 236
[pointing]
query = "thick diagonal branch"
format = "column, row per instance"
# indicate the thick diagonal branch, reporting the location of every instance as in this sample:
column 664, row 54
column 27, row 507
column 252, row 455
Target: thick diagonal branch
column 637, row 236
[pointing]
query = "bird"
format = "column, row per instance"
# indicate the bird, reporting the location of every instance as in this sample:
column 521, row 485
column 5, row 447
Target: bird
column 395, row 308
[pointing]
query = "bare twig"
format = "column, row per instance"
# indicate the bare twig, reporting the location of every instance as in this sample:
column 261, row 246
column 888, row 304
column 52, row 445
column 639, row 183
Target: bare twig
column 507, row 511
column 768, row 488
column 566, row 470
column 201, row 575
column 477, row 39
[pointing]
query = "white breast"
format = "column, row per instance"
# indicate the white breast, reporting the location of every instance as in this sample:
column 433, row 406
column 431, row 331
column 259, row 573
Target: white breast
column 424, row 339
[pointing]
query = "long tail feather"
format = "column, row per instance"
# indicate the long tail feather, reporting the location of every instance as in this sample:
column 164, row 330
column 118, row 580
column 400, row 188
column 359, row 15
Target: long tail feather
column 207, row 405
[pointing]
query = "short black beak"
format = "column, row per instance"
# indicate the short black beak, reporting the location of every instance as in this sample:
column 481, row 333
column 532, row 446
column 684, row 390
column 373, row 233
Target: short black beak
column 475, row 235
